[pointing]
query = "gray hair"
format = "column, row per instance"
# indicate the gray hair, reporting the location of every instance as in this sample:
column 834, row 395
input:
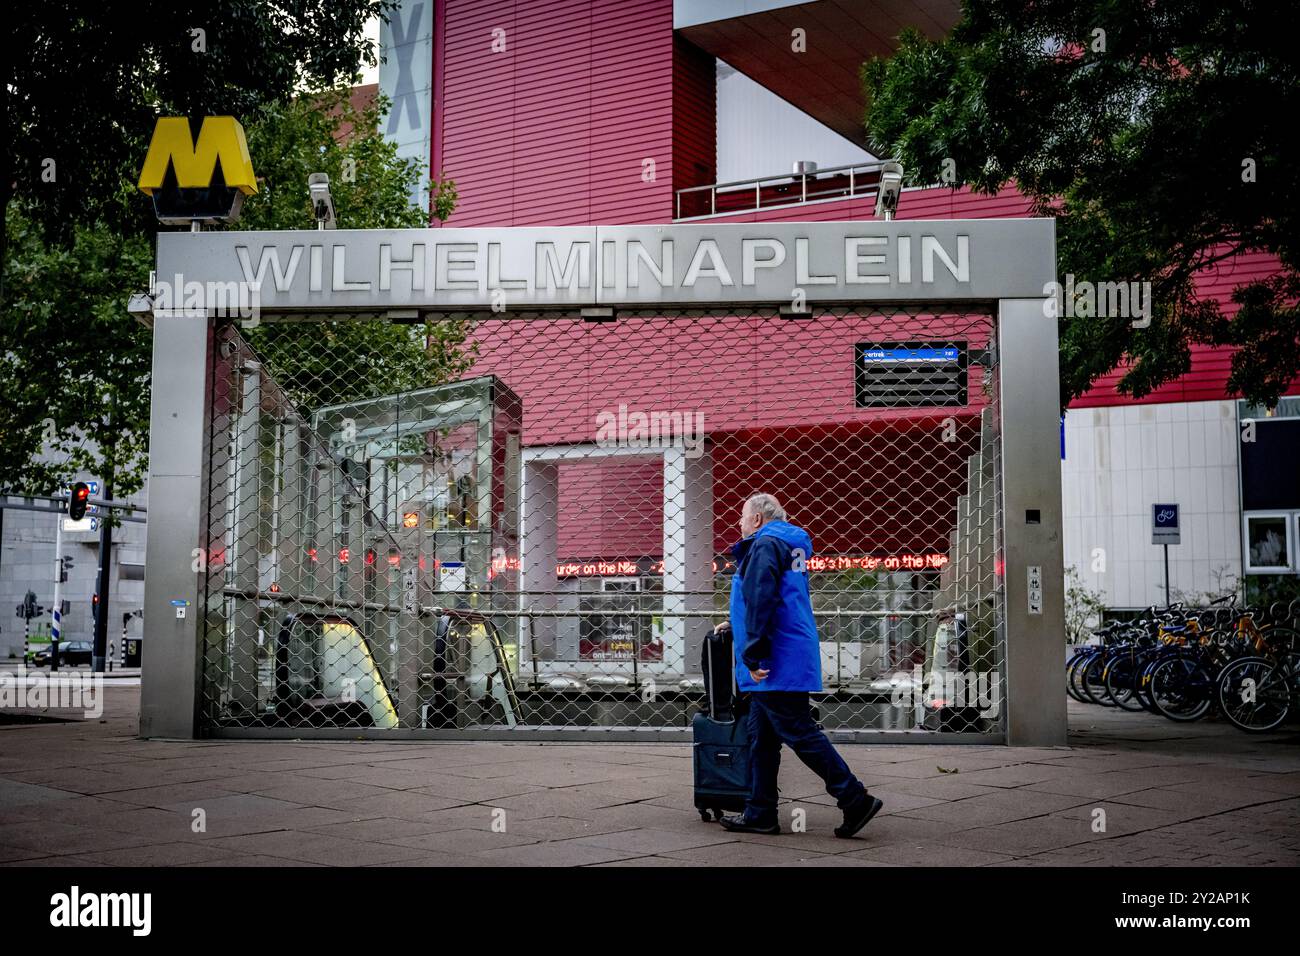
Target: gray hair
column 766, row 507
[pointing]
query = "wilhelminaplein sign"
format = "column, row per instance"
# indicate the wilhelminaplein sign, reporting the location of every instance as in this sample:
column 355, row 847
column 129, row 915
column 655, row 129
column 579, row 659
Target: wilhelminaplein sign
column 635, row 266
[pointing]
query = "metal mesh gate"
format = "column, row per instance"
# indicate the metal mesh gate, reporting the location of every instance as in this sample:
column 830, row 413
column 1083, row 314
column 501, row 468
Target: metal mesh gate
column 535, row 536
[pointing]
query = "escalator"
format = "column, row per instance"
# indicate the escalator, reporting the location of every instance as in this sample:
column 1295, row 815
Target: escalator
column 327, row 674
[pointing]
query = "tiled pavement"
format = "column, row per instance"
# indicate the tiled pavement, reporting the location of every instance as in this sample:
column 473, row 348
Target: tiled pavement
column 1131, row 789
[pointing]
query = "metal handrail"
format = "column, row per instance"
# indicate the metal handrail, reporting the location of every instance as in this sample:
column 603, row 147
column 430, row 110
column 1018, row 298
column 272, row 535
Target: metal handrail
column 757, row 185
column 485, row 614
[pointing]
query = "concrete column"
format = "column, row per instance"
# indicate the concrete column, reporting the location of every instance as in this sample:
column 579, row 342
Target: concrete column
column 699, row 553
column 1031, row 482
column 687, row 551
column 169, row 692
column 246, row 547
column 539, row 504
column 292, row 515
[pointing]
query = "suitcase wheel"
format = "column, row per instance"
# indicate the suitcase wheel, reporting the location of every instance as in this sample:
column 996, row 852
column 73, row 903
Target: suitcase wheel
column 704, row 815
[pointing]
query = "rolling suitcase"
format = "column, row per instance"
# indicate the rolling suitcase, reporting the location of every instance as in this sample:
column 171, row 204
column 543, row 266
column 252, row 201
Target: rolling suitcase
column 721, row 734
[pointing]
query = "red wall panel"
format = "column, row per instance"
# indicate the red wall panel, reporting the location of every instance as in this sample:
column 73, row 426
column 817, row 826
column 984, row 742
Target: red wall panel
column 555, row 130
column 695, row 115
column 740, row 373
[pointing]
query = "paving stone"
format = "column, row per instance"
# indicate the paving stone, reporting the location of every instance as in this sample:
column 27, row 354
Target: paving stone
column 651, row 861
column 335, row 794
column 1120, row 818
column 1183, row 803
column 72, row 808
column 430, row 859
column 52, row 838
column 554, row 853
column 838, row 860
column 404, row 804
column 562, row 801
column 1025, row 837
column 43, row 861
column 561, row 828
column 15, row 793
column 1014, row 776
column 626, row 815
column 313, row 847
column 1175, row 795
column 466, row 790
column 462, row 842
column 376, row 830
column 743, row 852
column 235, row 860
column 161, row 854
column 943, row 788
column 653, row 841
column 171, row 795
column 994, row 808
column 929, row 854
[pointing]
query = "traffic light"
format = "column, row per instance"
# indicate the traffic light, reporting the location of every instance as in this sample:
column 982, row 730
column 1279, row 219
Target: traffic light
column 77, row 499
column 65, row 565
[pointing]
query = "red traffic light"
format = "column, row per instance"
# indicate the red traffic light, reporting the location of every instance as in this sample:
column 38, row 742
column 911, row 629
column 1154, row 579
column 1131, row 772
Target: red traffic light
column 77, row 499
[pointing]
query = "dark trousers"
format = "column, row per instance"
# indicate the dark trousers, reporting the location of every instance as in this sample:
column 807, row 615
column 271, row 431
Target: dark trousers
column 785, row 717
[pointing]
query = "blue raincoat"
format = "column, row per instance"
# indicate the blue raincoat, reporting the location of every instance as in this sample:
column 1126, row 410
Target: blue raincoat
column 772, row 621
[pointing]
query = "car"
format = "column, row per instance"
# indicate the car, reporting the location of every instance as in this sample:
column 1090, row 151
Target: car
column 71, row 653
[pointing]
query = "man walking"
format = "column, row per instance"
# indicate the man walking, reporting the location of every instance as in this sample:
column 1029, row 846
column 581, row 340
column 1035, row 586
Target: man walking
column 778, row 659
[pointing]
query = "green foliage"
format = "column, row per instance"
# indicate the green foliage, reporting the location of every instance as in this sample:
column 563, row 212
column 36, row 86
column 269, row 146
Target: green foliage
column 1140, row 126
column 325, row 133
column 86, row 81
column 1267, row 590
column 72, row 353
column 1084, row 608
column 63, row 397
column 1226, row 585
column 323, row 364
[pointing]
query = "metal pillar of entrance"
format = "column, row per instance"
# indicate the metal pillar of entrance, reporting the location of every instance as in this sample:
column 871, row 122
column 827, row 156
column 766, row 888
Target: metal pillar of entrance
column 398, row 274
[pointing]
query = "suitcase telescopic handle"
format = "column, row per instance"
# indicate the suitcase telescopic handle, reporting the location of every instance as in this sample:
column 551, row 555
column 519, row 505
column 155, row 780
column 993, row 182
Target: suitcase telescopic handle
column 708, row 680
column 708, row 676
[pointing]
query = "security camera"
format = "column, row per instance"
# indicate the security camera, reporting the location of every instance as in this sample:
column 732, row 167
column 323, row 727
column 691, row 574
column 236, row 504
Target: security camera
column 887, row 193
column 322, row 204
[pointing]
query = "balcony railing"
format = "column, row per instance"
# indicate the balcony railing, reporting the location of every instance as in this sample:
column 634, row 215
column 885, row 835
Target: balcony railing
column 858, row 180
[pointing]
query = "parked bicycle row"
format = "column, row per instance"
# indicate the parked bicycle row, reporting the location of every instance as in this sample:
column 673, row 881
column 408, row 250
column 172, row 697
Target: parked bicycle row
column 1187, row 663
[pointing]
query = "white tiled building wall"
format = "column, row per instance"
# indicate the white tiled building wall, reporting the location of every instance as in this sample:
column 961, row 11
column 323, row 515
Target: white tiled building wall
column 1121, row 460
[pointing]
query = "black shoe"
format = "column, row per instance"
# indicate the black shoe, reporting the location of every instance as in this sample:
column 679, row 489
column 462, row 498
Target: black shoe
column 738, row 824
column 856, row 816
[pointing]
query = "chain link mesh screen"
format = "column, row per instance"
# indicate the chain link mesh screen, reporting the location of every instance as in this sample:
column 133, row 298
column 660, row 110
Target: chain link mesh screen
column 542, row 539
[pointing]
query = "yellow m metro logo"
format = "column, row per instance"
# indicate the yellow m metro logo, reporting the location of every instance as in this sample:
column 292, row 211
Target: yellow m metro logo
column 220, row 137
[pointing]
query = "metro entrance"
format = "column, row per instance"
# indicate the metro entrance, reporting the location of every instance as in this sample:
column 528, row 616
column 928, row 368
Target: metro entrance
column 486, row 557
